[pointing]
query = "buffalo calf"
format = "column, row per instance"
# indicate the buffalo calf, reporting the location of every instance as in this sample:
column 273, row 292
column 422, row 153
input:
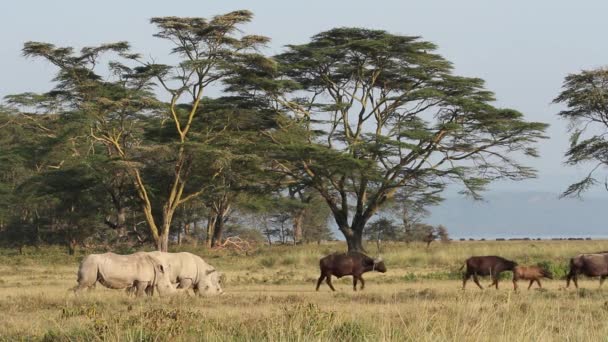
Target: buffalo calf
column 531, row 273
column 344, row 264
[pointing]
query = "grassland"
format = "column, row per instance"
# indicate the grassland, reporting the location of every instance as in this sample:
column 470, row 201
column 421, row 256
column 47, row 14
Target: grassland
column 270, row 296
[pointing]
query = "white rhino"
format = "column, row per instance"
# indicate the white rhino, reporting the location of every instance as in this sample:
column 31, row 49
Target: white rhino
column 190, row 271
column 139, row 271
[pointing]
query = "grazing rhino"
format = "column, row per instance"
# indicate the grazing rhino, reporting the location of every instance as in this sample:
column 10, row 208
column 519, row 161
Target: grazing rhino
column 139, row 270
column 486, row 265
column 190, row 271
column 343, row 264
column 591, row 265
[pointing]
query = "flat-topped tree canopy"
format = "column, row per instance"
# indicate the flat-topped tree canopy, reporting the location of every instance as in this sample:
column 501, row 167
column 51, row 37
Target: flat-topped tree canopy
column 586, row 96
column 372, row 112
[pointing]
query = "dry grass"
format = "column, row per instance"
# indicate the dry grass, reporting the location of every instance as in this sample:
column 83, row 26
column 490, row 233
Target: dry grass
column 270, row 296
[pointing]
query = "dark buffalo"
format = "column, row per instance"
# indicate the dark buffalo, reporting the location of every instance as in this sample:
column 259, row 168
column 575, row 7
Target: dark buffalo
column 484, row 266
column 591, row 265
column 344, row 264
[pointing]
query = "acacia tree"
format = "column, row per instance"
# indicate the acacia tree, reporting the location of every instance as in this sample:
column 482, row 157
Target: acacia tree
column 376, row 112
column 586, row 98
column 162, row 160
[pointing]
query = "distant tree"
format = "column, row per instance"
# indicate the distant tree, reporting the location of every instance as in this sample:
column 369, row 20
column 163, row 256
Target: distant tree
column 315, row 220
column 369, row 112
column 586, row 98
column 247, row 234
column 383, row 229
column 442, row 233
column 411, row 203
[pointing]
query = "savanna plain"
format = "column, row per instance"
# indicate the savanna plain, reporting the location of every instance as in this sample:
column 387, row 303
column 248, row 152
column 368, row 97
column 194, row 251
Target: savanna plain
column 270, row 296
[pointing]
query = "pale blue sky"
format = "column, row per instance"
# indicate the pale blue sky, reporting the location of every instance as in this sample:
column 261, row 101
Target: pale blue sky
column 523, row 49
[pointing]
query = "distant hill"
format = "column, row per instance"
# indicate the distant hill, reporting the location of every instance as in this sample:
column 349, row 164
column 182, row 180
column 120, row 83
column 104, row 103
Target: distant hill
column 524, row 214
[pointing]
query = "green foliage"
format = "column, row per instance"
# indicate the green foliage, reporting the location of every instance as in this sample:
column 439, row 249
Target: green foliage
column 586, row 98
column 370, row 113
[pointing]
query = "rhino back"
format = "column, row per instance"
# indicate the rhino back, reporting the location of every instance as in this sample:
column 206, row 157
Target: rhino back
column 183, row 264
column 121, row 271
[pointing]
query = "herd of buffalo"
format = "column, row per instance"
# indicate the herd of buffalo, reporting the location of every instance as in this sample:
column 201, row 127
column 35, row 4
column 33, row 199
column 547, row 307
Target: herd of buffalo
column 145, row 272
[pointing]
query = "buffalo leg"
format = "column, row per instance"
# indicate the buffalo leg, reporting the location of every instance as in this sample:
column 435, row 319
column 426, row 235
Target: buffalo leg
column 602, row 278
column 354, row 282
column 476, row 280
column 328, row 281
column 575, row 280
column 362, row 282
column 538, row 282
column 515, row 284
column 464, row 280
column 531, row 282
column 320, row 280
column 494, row 282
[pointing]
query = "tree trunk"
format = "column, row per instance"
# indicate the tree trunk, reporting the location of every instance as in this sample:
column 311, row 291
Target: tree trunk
column 218, row 230
column 121, row 219
column 72, row 246
column 298, row 219
column 210, row 225
column 163, row 242
column 221, row 211
column 354, row 242
column 354, row 236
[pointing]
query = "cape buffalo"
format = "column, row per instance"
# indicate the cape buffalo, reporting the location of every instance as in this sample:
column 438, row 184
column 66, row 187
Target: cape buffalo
column 531, row 273
column 591, row 265
column 344, row 264
column 114, row 271
column 486, row 265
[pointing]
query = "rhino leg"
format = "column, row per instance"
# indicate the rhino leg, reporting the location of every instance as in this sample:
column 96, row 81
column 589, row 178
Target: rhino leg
column 80, row 287
column 185, row 284
column 141, row 288
column 130, row 290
